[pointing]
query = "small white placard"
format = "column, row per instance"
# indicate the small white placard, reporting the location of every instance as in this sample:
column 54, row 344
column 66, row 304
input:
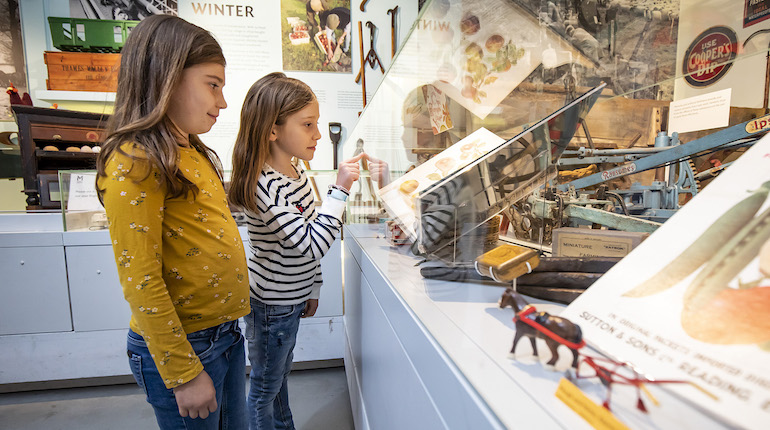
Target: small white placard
column 702, row 112
column 82, row 193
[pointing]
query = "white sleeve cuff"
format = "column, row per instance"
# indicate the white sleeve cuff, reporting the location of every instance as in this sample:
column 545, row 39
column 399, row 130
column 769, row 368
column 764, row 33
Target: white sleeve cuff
column 333, row 207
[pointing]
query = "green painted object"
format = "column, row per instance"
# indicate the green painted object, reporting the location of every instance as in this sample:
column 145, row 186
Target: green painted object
column 89, row 35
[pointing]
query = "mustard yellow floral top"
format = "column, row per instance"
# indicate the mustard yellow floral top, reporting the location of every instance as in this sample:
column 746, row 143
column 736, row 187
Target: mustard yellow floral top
column 180, row 260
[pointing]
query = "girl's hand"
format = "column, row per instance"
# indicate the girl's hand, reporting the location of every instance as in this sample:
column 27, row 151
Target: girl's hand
column 349, row 171
column 379, row 171
column 311, row 305
column 196, row 398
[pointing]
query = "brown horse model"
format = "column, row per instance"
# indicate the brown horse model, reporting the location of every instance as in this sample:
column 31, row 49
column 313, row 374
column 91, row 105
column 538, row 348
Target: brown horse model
column 552, row 329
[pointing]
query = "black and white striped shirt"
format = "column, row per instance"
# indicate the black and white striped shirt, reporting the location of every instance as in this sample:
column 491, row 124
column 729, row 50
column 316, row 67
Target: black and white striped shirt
column 288, row 237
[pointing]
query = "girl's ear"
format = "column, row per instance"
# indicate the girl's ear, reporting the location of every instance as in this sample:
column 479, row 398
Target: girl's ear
column 274, row 133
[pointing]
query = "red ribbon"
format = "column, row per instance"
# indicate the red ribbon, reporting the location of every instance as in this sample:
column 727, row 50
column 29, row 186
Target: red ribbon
column 528, row 310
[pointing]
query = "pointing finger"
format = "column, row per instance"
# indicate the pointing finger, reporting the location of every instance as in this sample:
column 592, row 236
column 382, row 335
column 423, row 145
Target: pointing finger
column 356, row 158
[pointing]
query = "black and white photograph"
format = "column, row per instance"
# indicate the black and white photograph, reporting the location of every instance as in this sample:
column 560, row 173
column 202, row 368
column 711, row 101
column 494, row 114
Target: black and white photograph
column 12, row 75
column 632, row 42
column 132, row 10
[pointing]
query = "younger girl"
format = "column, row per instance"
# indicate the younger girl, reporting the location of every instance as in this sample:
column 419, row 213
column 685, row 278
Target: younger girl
column 180, row 258
column 287, row 233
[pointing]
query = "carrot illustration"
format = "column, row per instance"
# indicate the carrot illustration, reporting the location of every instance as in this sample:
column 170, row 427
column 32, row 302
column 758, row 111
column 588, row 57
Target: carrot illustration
column 702, row 249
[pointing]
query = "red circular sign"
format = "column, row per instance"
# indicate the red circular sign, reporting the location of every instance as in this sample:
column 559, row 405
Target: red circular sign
column 710, row 56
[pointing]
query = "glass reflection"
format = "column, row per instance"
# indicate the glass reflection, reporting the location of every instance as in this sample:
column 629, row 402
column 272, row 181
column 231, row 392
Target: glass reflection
column 451, row 210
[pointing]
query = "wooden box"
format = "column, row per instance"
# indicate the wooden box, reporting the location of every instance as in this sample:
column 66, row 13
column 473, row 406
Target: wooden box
column 82, row 71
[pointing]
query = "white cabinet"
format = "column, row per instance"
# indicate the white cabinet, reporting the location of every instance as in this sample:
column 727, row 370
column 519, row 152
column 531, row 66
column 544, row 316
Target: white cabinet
column 390, row 381
column 34, row 290
column 63, row 314
column 96, row 295
column 392, row 362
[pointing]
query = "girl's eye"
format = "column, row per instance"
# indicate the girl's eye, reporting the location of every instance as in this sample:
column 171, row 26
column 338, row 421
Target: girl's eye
column 214, row 85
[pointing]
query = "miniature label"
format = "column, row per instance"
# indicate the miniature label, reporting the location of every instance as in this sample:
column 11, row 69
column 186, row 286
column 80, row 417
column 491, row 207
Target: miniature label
column 585, row 245
column 598, row 417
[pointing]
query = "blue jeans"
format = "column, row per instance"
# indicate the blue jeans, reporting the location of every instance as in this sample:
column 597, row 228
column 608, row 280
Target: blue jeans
column 272, row 332
column 221, row 352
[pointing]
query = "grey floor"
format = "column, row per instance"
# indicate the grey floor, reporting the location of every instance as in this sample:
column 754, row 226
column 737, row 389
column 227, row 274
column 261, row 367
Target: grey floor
column 319, row 400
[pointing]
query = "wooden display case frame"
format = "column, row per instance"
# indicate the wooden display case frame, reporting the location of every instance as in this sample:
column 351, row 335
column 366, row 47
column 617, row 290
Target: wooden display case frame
column 41, row 127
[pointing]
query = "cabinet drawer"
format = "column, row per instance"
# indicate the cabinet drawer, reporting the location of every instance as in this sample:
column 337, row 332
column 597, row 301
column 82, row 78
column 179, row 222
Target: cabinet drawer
column 66, row 133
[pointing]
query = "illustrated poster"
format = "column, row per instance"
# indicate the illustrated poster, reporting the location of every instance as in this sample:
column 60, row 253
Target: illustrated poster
column 499, row 44
column 692, row 301
column 398, row 196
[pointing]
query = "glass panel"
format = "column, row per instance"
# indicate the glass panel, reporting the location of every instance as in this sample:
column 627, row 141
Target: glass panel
column 452, row 209
column 505, row 65
column 81, row 210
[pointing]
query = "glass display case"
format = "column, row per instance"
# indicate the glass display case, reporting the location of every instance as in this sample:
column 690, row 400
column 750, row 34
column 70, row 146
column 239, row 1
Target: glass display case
column 472, row 124
column 501, row 67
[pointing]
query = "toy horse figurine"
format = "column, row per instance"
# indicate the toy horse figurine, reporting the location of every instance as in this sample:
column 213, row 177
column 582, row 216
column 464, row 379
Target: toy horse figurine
column 552, row 329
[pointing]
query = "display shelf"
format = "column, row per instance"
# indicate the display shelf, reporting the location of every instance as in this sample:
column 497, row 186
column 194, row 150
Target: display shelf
column 81, row 96
column 65, row 155
column 472, row 337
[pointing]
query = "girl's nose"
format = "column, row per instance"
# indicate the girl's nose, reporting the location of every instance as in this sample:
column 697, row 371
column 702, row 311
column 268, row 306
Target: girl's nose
column 317, row 134
column 221, row 103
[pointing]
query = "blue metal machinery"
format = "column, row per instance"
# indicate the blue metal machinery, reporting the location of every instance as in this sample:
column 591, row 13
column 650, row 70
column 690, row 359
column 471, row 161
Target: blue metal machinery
column 660, row 200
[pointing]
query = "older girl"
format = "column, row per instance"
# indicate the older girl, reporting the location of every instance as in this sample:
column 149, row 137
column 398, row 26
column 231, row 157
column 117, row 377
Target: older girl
column 180, row 258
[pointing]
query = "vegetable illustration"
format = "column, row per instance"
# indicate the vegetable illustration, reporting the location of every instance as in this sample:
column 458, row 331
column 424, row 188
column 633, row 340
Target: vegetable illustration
column 728, row 261
column 494, row 43
column 481, row 70
column 713, row 311
column 732, row 316
column 470, row 24
column 445, row 164
column 409, row 186
column 702, row 249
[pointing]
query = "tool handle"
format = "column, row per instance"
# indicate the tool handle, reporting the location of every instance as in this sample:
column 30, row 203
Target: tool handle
column 392, row 13
column 361, row 71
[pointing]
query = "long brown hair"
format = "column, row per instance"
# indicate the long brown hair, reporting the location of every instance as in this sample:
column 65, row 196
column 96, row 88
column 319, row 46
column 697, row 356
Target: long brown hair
column 151, row 66
column 269, row 102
